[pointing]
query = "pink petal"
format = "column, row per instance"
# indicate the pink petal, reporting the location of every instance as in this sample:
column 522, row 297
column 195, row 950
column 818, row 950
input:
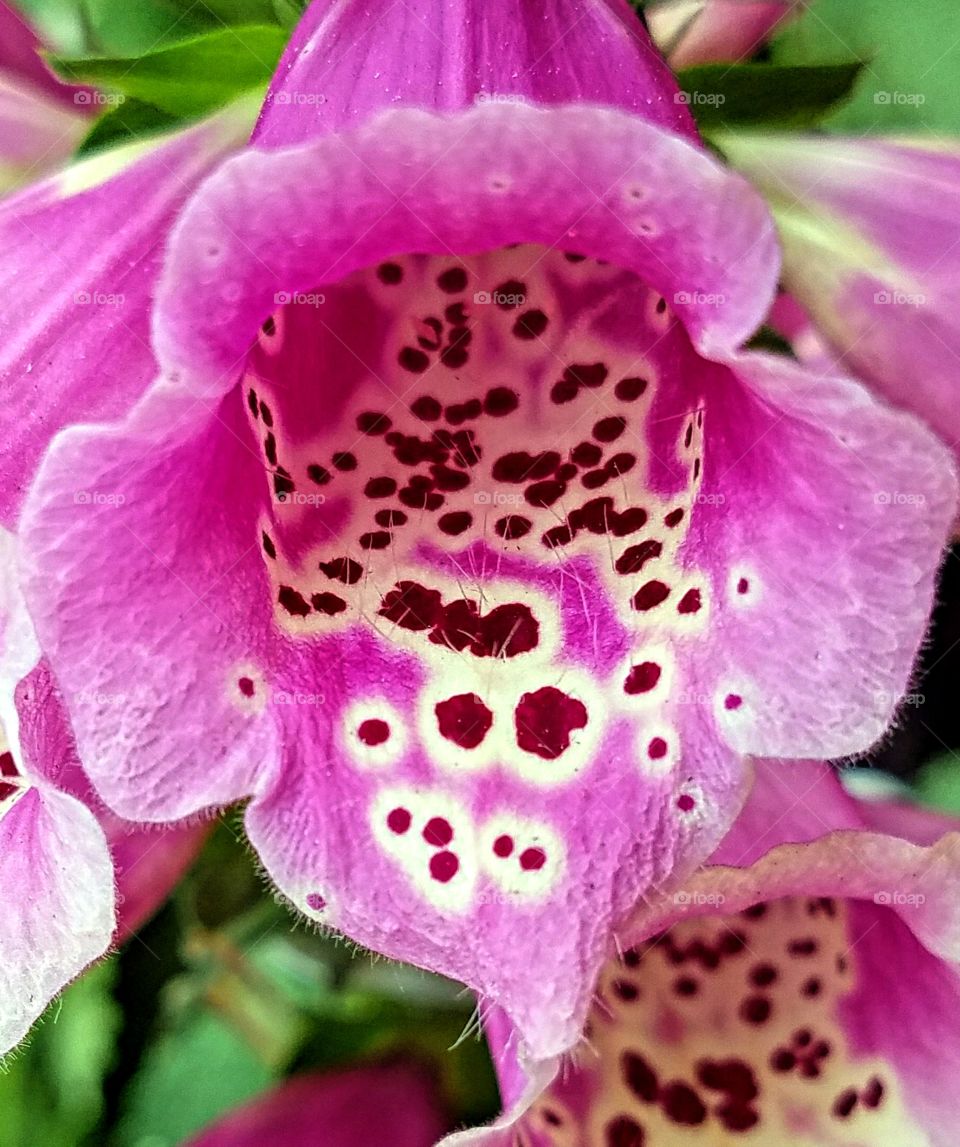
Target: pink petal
column 712, row 31
column 20, row 59
column 447, row 56
column 871, row 250
column 375, row 1105
column 81, row 258
column 37, row 133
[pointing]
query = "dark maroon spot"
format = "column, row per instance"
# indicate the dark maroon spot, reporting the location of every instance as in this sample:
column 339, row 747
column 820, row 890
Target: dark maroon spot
column 455, row 313
column 448, row 479
column 268, row 547
column 650, row 595
column 503, row 846
column 626, row 991
column 690, row 602
column 731, row 1076
column 586, row 454
column 552, row 1118
column 510, row 294
column 545, row 719
column 609, row 429
column 266, row 414
column 438, row 832
column 382, row 487
column 688, row 437
column 686, row 986
column 657, row 749
column 508, row 630
column 564, row 391
column 375, row 540
column 8, row 767
column 822, row 1049
column 639, row 1076
column 763, row 975
column 418, row 498
column 373, row 731
column 344, row 460
column 620, row 464
column 588, row 374
column 682, row 1105
column 803, row 1037
column 674, row 518
column 566, row 471
column 573, row 257
column 319, row 475
column 411, row 606
column 293, row 601
column 343, row 569
column 633, row 559
column 512, row 527
column 630, row 389
column 661, row 306
column 530, row 325
column 246, row 686
column 390, row 273
column 845, row 1104
column 873, row 1094
column 696, row 468
column 316, row 901
column 253, row 404
column 755, row 1009
column 743, row 585
column 532, row 859
column 501, row 401
column 622, row 1131
column 453, row 280
column 464, row 719
column 732, row 701
column 444, row 866
column 557, row 537
column 520, row 466
column 755, row 911
column 628, row 522
column 282, row 484
column 812, row 988
column 328, row 603
column 389, row 518
column 783, row 1060
column 426, row 408
column 542, row 494
column 594, row 479
column 732, row 943
column 454, row 524
column 399, row 821
column 372, row 422
column 738, row 1117
column 413, row 360
column 594, row 515
column 804, row 947
column 270, row 449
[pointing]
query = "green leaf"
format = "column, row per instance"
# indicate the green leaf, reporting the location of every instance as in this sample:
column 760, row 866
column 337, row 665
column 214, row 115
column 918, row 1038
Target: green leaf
column 190, row 78
column 129, row 120
column 727, row 95
column 910, row 83
column 51, row 1089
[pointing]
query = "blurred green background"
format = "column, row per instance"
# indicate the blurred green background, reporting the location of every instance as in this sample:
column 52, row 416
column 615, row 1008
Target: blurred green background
column 224, row 993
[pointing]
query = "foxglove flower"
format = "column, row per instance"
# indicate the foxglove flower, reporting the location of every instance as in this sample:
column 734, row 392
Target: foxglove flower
column 801, row 988
column 358, row 1108
column 708, row 31
column 41, row 120
column 456, row 531
column 872, row 251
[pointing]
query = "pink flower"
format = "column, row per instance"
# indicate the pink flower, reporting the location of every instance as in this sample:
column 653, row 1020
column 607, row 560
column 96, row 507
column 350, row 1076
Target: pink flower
column 707, row 31
column 801, row 988
column 451, row 525
column 41, row 120
column 872, row 250
column 374, row 1105
column 64, row 898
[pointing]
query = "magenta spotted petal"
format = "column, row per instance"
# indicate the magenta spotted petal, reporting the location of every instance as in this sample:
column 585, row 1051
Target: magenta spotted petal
column 458, row 533
column 802, row 988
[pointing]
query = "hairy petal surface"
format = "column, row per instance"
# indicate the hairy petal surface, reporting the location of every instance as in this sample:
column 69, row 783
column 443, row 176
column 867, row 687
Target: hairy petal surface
column 346, row 62
column 870, row 240
column 77, row 281
column 374, row 1105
